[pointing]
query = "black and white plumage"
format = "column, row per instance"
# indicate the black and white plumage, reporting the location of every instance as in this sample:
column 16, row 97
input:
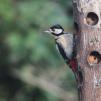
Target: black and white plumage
column 64, row 41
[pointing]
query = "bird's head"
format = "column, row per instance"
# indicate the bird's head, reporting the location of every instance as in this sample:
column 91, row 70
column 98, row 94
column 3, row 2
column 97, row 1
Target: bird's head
column 55, row 30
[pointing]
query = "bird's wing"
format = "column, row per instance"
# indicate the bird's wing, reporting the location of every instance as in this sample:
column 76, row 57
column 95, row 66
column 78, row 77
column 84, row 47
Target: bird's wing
column 61, row 51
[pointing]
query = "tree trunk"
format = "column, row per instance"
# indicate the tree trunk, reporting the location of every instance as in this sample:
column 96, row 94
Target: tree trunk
column 87, row 14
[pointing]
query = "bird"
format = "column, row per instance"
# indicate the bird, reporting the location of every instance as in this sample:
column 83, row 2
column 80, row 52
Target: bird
column 64, row 43
column 94, row 58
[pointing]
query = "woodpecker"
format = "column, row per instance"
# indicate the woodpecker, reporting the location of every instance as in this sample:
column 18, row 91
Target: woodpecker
column 94, row 58
column 64, row 43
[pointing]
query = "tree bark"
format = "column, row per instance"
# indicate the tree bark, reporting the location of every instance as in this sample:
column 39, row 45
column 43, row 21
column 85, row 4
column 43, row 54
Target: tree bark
column 87, row 15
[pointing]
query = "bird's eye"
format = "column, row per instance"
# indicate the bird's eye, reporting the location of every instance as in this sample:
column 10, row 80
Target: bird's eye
column 53, row 29
column 94, row 58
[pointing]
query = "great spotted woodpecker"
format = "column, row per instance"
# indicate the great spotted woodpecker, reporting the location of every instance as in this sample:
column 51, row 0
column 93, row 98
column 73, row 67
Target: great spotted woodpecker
column 65, row 44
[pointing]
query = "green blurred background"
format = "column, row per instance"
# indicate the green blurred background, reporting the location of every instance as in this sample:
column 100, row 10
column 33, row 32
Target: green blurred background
column 30, row 66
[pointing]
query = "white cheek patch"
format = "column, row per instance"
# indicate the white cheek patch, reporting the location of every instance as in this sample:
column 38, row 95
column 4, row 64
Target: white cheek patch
column 58, row 31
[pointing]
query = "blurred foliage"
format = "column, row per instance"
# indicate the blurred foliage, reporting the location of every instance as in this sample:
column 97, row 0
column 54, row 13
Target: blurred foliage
column 23, row 45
